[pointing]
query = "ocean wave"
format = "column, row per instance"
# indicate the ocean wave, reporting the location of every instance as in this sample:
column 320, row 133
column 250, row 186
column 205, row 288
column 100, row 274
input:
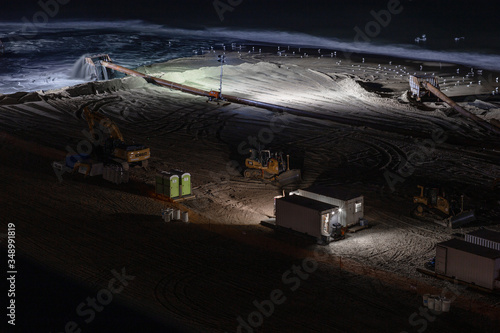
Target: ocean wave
column 406, row 51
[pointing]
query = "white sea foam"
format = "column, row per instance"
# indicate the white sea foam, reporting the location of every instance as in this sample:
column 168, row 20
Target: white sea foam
column 53, row 56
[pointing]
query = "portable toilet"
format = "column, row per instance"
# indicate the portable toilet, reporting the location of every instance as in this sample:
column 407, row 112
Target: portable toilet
column 185, row 182
column 167, row 184
column 171, row 185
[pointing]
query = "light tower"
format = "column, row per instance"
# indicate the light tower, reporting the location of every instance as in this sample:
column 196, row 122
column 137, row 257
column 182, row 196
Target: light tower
column 222, row 59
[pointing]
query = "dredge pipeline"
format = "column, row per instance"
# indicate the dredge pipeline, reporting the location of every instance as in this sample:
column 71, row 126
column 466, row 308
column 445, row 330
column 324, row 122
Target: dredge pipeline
column 199, row 92
column 229, row 98
column 297, row 112
column 165, row 83
column 438, row 93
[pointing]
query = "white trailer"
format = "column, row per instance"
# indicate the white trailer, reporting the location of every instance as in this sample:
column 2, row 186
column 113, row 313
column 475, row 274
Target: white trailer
column 468, row 262
column 484, row 237
column 351, row 204
column 308, row 216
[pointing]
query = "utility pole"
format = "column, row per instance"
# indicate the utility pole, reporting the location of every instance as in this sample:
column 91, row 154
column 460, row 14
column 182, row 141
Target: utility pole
column 222, row 60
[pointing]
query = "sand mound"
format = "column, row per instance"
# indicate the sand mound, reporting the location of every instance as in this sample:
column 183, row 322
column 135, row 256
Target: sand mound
column 483, row 105
column 84, row 89
column 484, row 109
column 100, row 87
column 19, row 98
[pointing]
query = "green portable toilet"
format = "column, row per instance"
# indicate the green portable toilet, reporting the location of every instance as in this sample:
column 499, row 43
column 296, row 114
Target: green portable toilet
column 170, row 185
column 185, row 184
column 185, row 179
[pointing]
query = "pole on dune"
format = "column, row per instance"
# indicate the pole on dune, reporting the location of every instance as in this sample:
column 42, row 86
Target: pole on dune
column 221, row 59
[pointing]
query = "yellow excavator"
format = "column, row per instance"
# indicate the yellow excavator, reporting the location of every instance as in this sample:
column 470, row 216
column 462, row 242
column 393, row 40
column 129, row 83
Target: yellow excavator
column 111, row 142
column 264, row 164
column 435, row 201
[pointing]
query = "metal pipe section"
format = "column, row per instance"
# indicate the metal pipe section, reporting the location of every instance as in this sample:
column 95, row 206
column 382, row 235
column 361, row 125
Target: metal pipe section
column 460, row 109
column 232, row 99
column 165, row 83
column 278, row 108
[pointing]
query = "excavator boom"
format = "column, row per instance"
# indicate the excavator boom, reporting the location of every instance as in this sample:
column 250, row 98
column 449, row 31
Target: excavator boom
column 126, row 152
column 97, row 119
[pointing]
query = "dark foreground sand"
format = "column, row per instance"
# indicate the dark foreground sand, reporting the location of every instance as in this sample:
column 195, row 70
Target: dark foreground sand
column 204, row 275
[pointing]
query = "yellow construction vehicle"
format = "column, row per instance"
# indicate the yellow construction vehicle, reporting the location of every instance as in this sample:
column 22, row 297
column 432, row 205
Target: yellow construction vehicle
column 435, row 201
column 263, row 164
column 431, row 198
column 111, row 143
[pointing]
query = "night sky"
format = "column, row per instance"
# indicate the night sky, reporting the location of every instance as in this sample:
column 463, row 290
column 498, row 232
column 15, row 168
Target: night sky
column 299, row 15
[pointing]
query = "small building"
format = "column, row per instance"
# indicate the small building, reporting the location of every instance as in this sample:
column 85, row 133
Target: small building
column 351, row 204
column 484, row 237
column 468, row 262
column 308, row 216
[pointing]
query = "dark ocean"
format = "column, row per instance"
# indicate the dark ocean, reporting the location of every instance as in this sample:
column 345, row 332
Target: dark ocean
column 48, row 55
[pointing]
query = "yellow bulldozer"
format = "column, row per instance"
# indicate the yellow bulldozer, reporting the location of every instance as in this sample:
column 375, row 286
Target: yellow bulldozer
column 112, row 144
column 436, row 202
column 264, row 164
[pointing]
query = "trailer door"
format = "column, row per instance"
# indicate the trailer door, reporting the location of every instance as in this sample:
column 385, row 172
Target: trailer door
column 440, row 265
column 325, row 218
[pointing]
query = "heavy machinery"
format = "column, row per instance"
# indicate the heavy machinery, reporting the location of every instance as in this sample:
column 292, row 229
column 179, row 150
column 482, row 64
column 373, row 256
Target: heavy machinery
column 263, row 164
column 214, row 97
column 98, row 71
column 338, row 232
column 435, row 201
column 111, row 146
column 431, row 264
column 422, row 85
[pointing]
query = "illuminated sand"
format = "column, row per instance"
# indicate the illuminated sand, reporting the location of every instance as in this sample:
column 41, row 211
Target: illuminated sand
column 209, row 272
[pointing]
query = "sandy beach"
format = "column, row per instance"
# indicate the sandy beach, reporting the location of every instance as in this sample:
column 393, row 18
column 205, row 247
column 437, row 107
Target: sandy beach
column 363, row 133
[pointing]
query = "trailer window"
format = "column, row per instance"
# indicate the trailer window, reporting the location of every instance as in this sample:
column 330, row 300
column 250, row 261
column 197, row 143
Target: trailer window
column 357, row 207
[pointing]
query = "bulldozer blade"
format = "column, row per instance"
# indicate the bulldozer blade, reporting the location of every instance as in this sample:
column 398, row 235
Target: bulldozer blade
column 462, row 219
column 289, row 177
